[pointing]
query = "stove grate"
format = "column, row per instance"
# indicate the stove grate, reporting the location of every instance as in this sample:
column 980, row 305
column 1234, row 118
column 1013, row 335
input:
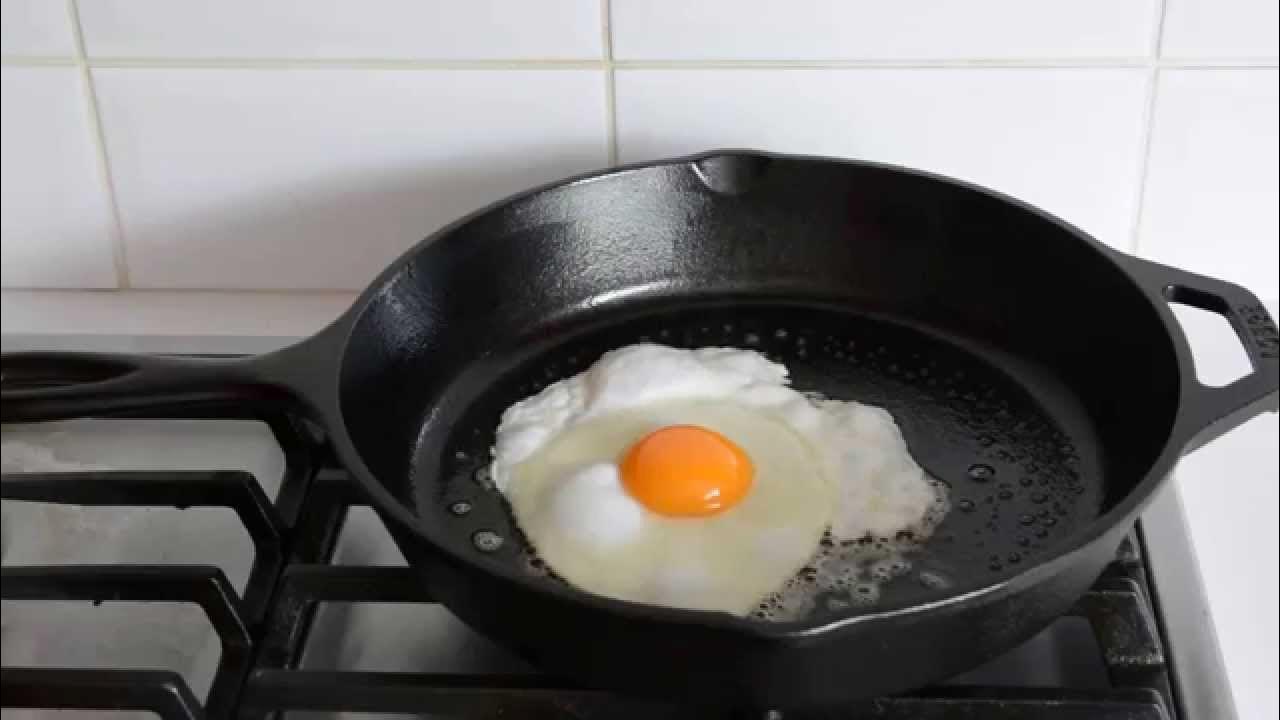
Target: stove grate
column 264, row 633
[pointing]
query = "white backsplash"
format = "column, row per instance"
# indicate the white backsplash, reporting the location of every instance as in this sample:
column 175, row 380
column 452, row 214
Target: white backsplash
column 1035, row 134
column 877, row 31
column 296, row 147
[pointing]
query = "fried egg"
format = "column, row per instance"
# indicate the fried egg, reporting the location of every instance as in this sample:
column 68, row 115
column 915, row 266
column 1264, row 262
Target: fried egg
column 698, row 478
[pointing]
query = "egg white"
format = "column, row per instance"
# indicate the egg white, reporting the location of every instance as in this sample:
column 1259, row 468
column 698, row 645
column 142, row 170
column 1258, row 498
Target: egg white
column 570, row 502
column 819, row 465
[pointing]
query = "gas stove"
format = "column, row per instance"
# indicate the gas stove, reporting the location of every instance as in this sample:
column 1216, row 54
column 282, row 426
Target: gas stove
column 223, row 565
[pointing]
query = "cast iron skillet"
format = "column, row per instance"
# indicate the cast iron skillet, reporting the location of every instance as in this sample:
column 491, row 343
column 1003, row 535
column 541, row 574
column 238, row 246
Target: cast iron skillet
column 997, row 335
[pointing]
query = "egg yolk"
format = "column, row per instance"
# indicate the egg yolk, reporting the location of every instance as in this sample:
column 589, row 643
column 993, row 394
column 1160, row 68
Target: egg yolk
column 686, row 471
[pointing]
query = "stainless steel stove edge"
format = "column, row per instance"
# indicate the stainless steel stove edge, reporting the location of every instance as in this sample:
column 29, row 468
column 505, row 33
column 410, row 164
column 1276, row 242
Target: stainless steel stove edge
column 1191, row 642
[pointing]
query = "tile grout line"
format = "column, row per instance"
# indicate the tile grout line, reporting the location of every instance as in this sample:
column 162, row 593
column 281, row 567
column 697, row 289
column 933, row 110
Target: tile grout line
column 610, row 83
column 119, row 255
column 1148, row 128
column 608, row 63
column 1102, row 63
column 339, row 63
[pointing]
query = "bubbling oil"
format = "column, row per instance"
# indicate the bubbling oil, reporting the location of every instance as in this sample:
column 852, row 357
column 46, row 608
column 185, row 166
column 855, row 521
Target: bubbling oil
column 846, row 573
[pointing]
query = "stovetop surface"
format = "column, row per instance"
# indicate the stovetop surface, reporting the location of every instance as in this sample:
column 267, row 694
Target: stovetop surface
column 248, row 579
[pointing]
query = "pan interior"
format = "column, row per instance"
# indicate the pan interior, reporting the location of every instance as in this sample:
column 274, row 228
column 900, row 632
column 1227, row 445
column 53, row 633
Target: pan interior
column 1013, row 444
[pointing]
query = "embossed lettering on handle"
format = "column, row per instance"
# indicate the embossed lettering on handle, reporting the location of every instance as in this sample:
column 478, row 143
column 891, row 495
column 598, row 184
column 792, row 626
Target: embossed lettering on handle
column 1204, row 412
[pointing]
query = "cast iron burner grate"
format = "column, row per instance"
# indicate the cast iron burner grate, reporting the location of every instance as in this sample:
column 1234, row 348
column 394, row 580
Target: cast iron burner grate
column 264, row 632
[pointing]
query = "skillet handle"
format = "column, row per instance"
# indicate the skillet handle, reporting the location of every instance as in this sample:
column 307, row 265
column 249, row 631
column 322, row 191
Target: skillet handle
column 41, row 386
column 1207, row 412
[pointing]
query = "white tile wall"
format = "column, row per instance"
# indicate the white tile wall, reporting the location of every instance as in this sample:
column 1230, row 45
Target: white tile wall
column 1221, row 29
column 35, row 27
column 296, row 145
column 449, row 29
column 55, row 226
column 317, row 178
column 874, row 29
column 1067, row 140
column 1212, row 180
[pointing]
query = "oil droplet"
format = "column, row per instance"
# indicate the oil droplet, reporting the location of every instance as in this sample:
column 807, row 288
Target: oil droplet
column 965, row 505
column 1025, row 481
column 483, row 477
column 1039, row 497
column 1050, row 521
column 1015, row 557
column 1042, row 533
column 995, row 565
column 981, row 472
column 1005, row 494
column 751, row 339
column 486, row 540
column 1024, row 541
column 460, row 456
column 460, row 508
column 780, row 333
column 1026, row 520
